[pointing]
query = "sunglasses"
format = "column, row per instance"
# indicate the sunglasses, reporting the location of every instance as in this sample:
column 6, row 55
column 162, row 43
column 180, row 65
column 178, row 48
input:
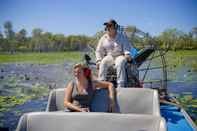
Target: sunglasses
column 109, row 28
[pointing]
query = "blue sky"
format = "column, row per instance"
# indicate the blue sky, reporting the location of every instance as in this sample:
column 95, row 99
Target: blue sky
column 87, row 16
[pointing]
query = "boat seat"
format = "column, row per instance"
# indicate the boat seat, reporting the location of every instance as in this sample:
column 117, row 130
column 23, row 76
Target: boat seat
column 100, row 101
column 129, row 100
column 138, row 101
column 75, row 121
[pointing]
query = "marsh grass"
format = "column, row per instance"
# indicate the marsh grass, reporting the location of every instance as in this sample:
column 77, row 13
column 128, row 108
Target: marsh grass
column 183, row 57
column 41, row 58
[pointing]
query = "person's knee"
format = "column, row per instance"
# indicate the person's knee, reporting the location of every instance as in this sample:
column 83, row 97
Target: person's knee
column 121, row 61
column 104, row 62
column 107, row 61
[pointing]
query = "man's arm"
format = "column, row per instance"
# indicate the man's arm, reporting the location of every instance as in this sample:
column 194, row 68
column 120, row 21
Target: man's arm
column 100, row 51
column 127, row 46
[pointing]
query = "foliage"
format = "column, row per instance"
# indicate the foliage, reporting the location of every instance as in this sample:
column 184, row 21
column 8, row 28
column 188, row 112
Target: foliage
column 177, row 40
column 40, row 41
column 8, row 102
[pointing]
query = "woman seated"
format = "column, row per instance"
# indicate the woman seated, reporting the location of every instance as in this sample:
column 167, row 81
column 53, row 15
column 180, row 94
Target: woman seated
column 79, row 92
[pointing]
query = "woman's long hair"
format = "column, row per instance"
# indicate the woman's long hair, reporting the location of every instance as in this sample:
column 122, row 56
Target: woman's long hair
column 87, row 73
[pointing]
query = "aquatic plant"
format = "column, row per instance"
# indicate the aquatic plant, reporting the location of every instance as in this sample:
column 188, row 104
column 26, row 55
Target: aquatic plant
column 38, row 91
column 189, row 104
column 13, row 94
column 7, row 102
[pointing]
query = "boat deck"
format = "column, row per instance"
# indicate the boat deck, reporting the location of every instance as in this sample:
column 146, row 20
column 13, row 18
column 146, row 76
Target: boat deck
column 175, row 119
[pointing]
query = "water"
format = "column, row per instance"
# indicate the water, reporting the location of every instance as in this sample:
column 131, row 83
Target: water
column 12, row 117
column 30, row 83
column 24, row 76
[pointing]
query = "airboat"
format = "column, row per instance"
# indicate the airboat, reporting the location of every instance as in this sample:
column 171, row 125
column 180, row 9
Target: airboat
column 138, row 108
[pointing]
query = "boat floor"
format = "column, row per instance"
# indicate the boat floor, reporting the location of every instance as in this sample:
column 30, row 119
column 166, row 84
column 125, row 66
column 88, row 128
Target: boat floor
column 175, row 119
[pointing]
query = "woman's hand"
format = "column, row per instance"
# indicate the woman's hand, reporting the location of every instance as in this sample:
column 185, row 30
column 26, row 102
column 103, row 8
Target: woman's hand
column 85, row 110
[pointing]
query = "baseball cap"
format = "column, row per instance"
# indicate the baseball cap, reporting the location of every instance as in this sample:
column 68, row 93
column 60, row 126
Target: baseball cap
column 110, row 23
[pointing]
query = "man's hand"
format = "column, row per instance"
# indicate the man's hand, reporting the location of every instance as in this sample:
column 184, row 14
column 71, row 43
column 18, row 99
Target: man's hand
column 128, row 57
column 97, row 65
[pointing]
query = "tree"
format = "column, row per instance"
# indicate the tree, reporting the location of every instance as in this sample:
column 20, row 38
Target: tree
column 22, row 34
column 94, row 40
column 1, row 35
column 176, row 39
column 169, row 38
column 21, row 39
column 59, row 42
column 194, row 37
column 36, row 39
column 10, row 36
column 36, row 32
column 1, row 41
column 8, row 30
column 46, row 42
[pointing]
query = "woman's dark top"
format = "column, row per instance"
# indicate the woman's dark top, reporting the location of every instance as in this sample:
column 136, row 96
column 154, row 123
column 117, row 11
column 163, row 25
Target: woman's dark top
column 83, row 99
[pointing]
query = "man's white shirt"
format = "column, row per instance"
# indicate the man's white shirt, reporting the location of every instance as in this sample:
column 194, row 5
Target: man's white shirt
column 115, row 47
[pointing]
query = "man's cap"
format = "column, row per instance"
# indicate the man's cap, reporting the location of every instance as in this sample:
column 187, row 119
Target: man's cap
column 110, row 23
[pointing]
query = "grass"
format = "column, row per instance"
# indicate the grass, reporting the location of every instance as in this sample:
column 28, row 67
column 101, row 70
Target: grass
column 185, row 52
column 41, row 58
column 173, row 58
column 182, row 59
column 186, row 57
column 176, row 61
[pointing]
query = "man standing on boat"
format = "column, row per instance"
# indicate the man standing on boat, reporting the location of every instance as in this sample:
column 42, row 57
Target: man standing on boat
column 113, row 48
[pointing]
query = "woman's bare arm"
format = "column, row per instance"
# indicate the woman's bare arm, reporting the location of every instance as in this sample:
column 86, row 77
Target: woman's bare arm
column 68, row 97
column 109, row 85
column 105, row 84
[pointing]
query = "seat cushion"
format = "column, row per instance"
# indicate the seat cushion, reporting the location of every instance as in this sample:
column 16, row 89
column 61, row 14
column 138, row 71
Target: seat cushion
column 58, row 121
column 138, row 101
column 100, row 100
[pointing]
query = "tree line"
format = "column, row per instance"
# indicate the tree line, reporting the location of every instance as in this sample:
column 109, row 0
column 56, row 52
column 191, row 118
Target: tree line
column 40, row 41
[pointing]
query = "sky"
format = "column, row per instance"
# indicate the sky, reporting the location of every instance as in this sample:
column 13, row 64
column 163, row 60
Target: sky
column 86, row 17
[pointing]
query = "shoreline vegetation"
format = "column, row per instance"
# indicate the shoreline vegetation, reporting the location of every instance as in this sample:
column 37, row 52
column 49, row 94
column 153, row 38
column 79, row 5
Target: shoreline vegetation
column 173, row 58
column 41, row 58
